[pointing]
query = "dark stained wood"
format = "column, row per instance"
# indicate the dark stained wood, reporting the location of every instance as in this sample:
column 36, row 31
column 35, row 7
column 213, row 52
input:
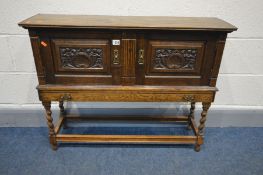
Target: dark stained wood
column 140, row 59
column 116, row 67
column 127, row 22
column 90, row 55
column 46, row 56
column 220, row 44
column 208, row 60
column 35, row 43
column 174, row 53
column 127, row 59
column 82, row 79
column 174, row 62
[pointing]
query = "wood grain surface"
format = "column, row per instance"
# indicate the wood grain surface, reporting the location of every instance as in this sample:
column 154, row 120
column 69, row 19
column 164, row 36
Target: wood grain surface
column 128, row 22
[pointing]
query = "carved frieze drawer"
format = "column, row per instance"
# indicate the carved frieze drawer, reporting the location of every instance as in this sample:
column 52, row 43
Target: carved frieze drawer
column 127, row 97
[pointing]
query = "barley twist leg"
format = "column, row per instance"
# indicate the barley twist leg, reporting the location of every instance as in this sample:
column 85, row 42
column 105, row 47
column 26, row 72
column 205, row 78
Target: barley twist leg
column 61, row 106
column 52, row 135
column 62, row 113
column 191, row 115
column 202, row 124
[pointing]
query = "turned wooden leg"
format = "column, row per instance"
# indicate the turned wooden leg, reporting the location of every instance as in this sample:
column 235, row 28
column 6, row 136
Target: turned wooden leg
column 62, row 113
column 203, row 118
column 52, row 135
column 202, row 126
column 61, row 106
column 191, row 115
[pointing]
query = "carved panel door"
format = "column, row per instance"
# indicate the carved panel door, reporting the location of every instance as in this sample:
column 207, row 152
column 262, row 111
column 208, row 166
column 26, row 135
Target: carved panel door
column 82, row 61
column 171, row 62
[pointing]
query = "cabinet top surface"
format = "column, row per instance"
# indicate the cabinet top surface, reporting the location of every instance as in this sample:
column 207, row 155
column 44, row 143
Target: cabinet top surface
column 127, row 22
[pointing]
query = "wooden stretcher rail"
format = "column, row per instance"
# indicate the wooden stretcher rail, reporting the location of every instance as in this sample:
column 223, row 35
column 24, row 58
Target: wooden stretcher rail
column 131, row 118
column 167, row 139
column 60, row 122
column 136, row 139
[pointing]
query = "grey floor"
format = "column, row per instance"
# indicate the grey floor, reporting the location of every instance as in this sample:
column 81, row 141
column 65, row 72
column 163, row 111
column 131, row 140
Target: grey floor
column 25, row 151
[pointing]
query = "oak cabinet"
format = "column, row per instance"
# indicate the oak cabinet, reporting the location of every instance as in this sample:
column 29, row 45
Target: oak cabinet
column 133, row 59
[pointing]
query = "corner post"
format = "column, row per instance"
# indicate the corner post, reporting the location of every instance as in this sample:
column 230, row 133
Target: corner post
column 52, row 135
column 206, row 106
column 191, row 115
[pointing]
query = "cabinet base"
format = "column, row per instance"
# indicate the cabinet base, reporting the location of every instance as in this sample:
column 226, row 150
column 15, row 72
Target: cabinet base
column 64, row 119
column 48, row 93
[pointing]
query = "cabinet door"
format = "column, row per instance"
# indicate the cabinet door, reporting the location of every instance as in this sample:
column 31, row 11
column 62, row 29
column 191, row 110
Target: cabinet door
column 81, row 61
column 172, row 62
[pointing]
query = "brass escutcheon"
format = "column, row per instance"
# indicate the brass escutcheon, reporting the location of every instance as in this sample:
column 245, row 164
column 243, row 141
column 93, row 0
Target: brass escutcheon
column 116, row 59
column 141, row 57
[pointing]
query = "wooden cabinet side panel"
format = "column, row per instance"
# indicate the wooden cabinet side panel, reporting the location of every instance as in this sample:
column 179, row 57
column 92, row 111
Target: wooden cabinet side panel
column 208, row 60
column 35, row 44
column 46, row 53
column 220, row 45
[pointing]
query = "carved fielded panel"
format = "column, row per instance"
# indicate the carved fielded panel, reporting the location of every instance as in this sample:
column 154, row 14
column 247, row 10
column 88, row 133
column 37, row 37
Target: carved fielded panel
column 81, row 58
column 184, row 59
column 173, row 56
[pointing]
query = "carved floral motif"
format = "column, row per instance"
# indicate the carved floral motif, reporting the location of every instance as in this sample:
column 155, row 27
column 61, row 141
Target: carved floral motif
column 175, row 59
column 81, row 58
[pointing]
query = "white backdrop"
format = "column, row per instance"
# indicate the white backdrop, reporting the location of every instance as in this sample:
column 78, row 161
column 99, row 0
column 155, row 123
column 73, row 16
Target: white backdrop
column 241, row 75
